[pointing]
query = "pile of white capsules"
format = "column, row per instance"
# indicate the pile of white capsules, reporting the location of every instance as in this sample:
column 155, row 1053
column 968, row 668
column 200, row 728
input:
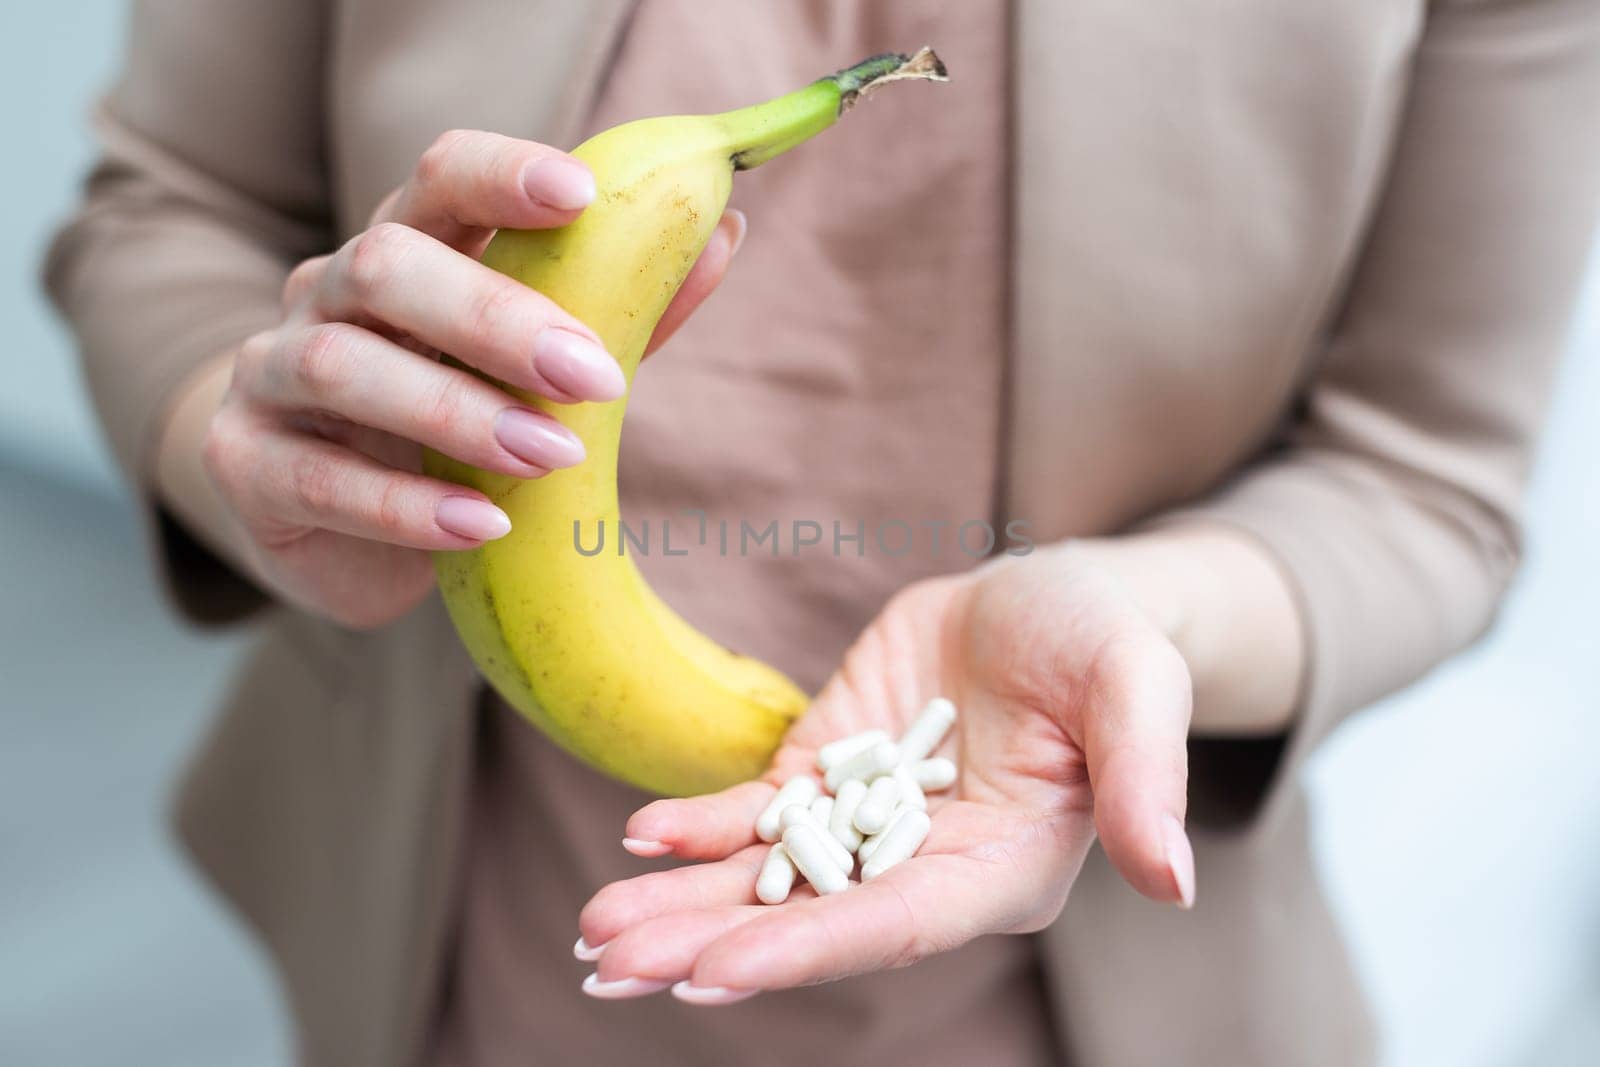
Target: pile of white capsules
column 877, row 812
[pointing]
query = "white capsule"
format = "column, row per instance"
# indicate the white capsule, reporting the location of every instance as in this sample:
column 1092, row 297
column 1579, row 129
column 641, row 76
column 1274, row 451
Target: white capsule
column 777, row 876
column 927, row 730
column 934, row 774
column 795, row 815
column 880, row 759
column 808, row 851
column 899, row 844
column 911, row 795
column 873, row 813
column 834, row 753
column 842, row 823
column 801, row 789
column 821, row 808
column 870, row 845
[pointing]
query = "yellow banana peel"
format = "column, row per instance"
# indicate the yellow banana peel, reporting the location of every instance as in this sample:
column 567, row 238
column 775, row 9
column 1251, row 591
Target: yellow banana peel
column 579, row 644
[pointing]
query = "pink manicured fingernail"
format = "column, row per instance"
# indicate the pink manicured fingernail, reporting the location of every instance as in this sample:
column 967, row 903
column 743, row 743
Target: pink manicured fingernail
column 740, row 226
column 648, row 849
column 537, row 439
column 623, row 988
column 586, row 952
column 710, row 995
column 1180, row 859
column 577, row 366
column 564, row 184
column 467, row 516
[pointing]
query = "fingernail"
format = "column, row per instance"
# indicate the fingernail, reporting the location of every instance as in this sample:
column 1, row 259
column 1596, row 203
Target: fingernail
column 537, row 439
column 577, row 366
column 710, row 995
column 467, row 516
column 564, row 184
column 586, row 952
column 740, row 226
column 648, row 849
column 1180, row 859
column 623, row 988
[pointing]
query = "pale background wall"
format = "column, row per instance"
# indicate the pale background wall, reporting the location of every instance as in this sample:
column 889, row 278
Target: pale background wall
column 1458, row 825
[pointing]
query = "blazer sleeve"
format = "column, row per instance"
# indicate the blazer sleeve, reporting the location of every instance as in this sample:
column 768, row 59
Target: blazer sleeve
column 1392, row 503
column 209, row 186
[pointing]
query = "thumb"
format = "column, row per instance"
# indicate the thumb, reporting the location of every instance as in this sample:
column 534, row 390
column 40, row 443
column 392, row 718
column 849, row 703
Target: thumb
column 704, row 276
column 1136, row 724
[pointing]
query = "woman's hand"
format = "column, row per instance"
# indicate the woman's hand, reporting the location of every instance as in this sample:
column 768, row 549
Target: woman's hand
column 1074, row 709
column 315, row 447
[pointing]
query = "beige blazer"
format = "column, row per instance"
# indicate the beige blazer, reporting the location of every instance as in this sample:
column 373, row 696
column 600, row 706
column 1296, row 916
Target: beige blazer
column 1303, row 268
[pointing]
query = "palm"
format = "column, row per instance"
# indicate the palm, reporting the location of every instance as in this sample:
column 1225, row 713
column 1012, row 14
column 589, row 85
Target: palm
column 1035, row 656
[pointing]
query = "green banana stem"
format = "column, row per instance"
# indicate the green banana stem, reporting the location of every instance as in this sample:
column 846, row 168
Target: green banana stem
column 763, row 131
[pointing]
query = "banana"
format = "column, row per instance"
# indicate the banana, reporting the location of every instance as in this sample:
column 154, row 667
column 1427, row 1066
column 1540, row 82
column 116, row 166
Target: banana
column 580, row 645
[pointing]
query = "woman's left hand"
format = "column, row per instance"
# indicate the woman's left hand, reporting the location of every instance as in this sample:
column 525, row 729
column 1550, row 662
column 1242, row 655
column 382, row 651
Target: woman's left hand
column 1074, row 709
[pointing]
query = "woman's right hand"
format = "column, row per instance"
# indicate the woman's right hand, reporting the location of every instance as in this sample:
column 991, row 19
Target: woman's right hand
column 315, row 447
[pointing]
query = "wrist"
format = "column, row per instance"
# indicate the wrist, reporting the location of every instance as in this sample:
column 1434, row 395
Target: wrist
column 1152, row 570
column 181, row 481
column 1230, row 611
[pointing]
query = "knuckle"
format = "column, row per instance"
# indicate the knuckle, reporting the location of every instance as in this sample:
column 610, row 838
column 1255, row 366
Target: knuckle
column 302, row 279
column 252, row 358
column 320, row 362
column 228, row 455
column 436, row 159
column 372, row 257
column 492, row 314
column 390, row 511
column 315, row 485
column 444, row 408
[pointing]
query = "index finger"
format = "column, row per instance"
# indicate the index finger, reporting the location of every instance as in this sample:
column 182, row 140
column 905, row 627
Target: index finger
column 470, row 183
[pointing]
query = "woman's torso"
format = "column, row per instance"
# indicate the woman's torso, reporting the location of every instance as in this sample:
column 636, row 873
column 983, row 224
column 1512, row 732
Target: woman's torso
column 1193, row 185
